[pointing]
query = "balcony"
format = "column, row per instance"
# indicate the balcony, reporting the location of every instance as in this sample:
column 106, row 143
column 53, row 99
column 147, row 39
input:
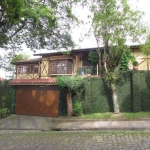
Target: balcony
column 81, row 71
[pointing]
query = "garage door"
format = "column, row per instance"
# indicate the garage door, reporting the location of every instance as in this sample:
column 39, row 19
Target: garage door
column 37, row 100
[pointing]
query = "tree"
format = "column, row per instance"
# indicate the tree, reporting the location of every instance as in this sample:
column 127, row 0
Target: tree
column 5, row 62
column 38, row 23
column 114, row 23
column 10, row 14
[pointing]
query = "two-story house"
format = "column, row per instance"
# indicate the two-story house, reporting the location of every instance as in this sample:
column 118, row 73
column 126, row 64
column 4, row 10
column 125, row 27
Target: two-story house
column 36, row 90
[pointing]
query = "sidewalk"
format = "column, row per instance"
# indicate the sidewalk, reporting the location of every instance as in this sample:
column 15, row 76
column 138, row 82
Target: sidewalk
column 103, row 125
column 22, row 122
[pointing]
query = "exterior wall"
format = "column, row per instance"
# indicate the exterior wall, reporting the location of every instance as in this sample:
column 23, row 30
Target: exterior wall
column 45, row 68
column 143, row 64
column 32, row 74
column 27, row 76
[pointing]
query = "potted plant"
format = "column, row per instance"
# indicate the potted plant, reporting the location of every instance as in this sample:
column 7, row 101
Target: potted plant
column 88, row 72
column 135, row 65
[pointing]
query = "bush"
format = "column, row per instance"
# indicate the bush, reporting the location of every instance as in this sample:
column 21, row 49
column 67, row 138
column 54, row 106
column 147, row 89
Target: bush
column 77, row 110
column 4, row 112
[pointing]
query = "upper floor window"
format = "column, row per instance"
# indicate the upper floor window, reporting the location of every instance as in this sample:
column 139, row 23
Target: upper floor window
column 61, row 66
column 28, row 69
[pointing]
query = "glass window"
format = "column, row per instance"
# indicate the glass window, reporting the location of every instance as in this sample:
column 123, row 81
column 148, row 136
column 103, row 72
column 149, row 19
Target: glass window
column 27, row 69
column 61, row 66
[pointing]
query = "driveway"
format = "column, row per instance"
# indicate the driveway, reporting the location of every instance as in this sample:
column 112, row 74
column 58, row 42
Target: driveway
column 22, row 122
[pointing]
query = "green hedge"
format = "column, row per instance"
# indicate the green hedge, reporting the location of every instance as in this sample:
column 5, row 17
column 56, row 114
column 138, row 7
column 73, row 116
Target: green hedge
column 141, row 91
column 124, row 91
column 97, row 96
column 6, row 95
column 133, row 89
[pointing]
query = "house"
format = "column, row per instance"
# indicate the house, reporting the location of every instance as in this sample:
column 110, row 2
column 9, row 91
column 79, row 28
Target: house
column 36, row 90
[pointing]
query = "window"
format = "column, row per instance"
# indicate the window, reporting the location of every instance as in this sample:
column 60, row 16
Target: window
column 27, row 69
column 61, row 66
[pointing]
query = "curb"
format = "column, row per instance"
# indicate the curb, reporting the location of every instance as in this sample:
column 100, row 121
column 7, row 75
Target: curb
column 101, row 129
column 57, row 120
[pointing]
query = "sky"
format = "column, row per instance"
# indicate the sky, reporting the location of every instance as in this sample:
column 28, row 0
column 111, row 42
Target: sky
column 78, row 32
column 142, row 5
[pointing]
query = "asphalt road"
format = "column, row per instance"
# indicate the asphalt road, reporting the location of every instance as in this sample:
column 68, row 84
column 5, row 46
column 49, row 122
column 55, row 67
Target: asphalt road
column 84, row 140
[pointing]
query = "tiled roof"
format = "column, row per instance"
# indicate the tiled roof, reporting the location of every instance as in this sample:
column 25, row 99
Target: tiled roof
column 50, row 81
column 35, row 60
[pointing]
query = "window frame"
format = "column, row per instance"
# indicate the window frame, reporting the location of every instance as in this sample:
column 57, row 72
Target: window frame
column 28, row 69
column 59, row 71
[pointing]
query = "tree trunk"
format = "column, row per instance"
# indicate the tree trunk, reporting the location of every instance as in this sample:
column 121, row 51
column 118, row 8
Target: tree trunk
column 115, row 98
column 69, row 103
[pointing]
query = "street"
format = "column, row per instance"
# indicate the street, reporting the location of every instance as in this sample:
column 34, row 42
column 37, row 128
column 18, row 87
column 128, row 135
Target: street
column 83, row 140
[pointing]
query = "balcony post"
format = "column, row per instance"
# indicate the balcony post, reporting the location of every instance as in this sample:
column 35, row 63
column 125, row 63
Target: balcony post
column 76, row 64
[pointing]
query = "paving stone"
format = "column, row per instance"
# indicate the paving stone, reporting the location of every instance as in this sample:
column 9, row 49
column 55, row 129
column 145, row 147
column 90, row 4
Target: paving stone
column 88, row 140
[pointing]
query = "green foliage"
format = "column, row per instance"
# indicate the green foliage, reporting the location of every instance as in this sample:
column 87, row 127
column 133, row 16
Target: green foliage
column 135, row 63
column 88, row 71
column 97, row 96
column 111, row 77
column 112, row 116
column 69, row 82
column 132, row 90
column 125, row 59
column 77, row 109
column 114, row 33
column 6, row 96
column 18, row 57
column 124, row 91
column 93, row 57
column 10, row 15
column 4, row 112
column 37, row 23
column 145, row 48
column 141, row 88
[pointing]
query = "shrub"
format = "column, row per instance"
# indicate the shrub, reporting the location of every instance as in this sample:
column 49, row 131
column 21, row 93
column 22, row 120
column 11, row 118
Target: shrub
column 4, row 112
column 77, row 110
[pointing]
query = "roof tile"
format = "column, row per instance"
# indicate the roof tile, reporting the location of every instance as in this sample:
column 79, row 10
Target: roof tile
column 49, row 81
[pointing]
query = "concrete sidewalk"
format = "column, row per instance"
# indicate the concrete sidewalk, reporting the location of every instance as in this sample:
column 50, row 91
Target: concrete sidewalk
column 22, row 122
column 104, row 125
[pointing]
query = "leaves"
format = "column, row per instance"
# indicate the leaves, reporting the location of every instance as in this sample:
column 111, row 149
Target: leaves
column 70, row 82
column 40, row 24
column 115, row 24
column 93, row 57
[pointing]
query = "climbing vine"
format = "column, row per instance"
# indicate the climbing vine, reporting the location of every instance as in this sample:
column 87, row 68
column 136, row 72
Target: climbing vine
column 71, row 86
column 125, row 59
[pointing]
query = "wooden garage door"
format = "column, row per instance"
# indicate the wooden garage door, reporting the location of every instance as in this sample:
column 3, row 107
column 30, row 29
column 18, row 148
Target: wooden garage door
column 37, row 100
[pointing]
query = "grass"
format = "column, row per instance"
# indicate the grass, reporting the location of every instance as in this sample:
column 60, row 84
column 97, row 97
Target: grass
column 121, row 116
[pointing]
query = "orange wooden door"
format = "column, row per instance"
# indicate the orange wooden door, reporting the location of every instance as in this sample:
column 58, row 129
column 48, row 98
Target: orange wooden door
column 37, row 100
